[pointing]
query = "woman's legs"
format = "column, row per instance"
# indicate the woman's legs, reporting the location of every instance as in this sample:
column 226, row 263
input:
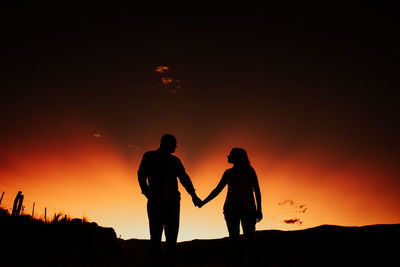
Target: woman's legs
column 249, row 228
column 233, row 224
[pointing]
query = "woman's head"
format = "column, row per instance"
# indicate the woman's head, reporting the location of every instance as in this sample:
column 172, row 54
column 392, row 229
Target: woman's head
column 238, row 157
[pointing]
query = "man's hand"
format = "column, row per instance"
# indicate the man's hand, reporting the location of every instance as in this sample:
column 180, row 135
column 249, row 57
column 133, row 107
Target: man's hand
column 147, row 195
column 259, row 216
column 197, row 201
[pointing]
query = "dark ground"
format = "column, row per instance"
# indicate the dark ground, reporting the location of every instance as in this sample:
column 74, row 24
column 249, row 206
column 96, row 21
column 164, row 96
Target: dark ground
column 27, row 242
column 326, row 245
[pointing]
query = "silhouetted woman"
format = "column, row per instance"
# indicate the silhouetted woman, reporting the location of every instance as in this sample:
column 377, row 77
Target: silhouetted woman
column 239, row 205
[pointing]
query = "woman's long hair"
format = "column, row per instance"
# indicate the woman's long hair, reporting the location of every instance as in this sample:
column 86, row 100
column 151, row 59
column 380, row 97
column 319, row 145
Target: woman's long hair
column 240, row 158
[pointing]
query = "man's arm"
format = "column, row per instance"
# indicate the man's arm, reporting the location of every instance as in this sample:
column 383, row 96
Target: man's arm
column 187, row 184
column 142, row 176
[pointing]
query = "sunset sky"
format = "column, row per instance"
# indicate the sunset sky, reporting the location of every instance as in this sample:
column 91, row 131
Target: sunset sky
column 312, row 96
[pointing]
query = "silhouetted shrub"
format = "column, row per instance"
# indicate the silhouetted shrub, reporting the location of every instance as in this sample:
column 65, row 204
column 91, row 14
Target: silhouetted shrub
column 64, row 238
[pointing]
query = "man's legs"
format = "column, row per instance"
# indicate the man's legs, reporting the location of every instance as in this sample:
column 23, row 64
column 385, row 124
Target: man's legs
column 233, row 224
column 171, row 231
column 154, row 212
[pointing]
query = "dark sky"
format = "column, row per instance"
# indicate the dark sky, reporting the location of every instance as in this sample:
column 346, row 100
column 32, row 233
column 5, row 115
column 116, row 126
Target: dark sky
column 295, row 73
column 312, row 93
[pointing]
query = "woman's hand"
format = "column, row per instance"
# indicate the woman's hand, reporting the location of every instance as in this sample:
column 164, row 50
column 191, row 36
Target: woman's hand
column 197, row 201
column 201, row 204
column 259, row 216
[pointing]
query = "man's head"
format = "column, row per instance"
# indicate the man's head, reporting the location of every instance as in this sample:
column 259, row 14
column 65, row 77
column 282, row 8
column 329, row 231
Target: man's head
column 168, row 143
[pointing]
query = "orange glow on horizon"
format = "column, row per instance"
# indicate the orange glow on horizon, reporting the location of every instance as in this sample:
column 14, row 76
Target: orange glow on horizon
column 93, row 177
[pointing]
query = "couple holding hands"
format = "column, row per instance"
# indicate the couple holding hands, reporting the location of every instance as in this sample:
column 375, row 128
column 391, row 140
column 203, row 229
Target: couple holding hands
column 157, row 175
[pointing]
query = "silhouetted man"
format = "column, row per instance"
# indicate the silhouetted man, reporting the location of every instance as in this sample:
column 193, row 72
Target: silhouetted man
column 157, row 176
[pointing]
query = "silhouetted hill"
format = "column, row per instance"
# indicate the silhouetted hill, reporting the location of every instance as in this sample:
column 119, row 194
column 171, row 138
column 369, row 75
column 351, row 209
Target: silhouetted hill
column 326, row 245
column 29, row 242
column 331, row 245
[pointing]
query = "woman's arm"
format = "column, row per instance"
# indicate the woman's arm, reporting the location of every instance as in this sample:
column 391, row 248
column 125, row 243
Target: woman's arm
column 216, row 191
column 257, row 193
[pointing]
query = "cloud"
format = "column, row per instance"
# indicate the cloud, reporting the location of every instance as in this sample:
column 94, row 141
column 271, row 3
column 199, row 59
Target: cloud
column 286, row 201
column 97, row 135
column 171, row 83
column 293, row 221
column 167, row 80
column 161, row 69
column 296, row 208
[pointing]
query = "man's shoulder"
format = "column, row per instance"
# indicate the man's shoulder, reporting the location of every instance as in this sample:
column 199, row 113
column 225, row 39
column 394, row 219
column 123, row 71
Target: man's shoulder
column 175, row 159
column 156, row 154
column 150, row 154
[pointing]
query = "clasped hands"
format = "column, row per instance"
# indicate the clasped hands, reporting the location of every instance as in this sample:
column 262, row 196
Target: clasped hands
column 197, row 201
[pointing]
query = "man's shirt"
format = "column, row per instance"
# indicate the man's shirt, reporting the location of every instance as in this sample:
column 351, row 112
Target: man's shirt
column 158, row 173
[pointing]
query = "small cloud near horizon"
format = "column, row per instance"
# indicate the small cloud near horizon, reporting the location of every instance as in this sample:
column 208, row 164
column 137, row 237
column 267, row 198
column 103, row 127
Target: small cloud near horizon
column 298, row 208
column 97, row 135
column 286, row 201
column 293, row 221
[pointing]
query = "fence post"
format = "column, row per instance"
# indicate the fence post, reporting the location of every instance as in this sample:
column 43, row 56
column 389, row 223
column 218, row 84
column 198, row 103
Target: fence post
column 16, row 201
column 1, row 197
column 45, row 214
column 21, row 199
column 33, row 209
